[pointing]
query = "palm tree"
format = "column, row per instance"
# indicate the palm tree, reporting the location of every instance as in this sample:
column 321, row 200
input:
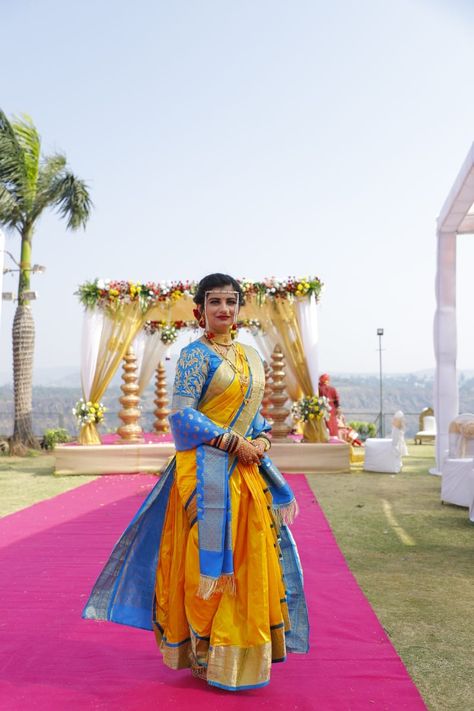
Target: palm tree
column 30, row 183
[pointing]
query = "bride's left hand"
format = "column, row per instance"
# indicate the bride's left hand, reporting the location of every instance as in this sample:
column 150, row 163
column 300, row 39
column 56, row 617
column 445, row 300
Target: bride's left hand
column 260, row 447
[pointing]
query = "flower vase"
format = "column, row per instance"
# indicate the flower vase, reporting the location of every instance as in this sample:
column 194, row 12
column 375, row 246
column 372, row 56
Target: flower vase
column 315, row 431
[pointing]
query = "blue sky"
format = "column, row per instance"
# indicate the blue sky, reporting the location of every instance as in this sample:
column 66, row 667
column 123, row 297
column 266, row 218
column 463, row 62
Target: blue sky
column 258, row 137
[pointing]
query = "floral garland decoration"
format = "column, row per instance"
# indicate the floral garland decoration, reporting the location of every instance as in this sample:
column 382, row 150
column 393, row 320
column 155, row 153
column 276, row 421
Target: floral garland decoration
column 88, row 412
column 251, row 324
column 282, row 288
column 111, row 294
column 311, row 407
column 107, row 293
column 169, row 331
column 169, row 334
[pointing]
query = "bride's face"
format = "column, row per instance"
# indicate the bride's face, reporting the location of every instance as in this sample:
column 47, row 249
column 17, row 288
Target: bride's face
column 222, row 307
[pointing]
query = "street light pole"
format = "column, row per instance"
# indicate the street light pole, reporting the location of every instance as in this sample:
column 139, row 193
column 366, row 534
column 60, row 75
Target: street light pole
column 381, row 422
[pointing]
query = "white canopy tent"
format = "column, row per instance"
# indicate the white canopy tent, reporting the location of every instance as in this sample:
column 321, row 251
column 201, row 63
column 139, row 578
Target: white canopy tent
column 456, row 217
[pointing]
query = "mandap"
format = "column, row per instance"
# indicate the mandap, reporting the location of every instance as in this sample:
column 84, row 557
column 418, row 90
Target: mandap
column 148, row 316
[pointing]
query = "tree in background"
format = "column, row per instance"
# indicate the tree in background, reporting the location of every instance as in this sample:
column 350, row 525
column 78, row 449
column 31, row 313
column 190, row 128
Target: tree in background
column 29, row 184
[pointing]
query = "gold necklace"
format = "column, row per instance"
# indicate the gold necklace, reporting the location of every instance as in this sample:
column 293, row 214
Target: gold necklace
column 239, row 371
column 223, row 345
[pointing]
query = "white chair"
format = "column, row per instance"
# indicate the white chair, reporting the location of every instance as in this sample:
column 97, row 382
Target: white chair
column 427, row 425
column 471, row 512
column 457, row 470
column 385, row 455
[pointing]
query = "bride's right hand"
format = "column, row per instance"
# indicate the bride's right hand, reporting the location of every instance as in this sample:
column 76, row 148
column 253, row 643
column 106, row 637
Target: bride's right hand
column 247, row 453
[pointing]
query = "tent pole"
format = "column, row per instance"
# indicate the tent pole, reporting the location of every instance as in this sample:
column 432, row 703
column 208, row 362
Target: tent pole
column 445, row 395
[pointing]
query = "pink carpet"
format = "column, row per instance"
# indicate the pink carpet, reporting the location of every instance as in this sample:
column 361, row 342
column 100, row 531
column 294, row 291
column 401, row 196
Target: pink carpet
column 51, row 659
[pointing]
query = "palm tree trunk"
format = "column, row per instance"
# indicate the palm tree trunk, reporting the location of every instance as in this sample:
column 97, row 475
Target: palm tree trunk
column 23, row 348
column 23, row 337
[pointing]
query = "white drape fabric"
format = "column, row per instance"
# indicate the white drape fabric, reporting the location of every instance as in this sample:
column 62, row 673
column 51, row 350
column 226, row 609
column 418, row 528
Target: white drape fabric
column 398, row 441
column 149, row 351
column 457, row 482
column 385, row 455
column 265, row 344
column 138, row 346
column 267, row 340
column 398, row 433
column 307, row 315
column 93, row 324
column 461, row 436
column 446, row 399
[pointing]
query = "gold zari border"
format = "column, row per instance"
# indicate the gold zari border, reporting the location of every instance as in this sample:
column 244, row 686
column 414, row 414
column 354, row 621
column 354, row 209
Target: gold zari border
column 200, row 649
column 278, row 643
column 258, row 386
column 176, row 657
column 234, row 667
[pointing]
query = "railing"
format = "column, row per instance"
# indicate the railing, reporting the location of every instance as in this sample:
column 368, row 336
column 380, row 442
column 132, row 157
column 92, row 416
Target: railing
column 52, row 417
column 412, row 420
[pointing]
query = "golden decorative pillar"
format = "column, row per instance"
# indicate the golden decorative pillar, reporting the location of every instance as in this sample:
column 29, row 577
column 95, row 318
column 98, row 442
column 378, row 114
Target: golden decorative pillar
column 161, row 412
column 266, row 403
column 130, row 431
column 278, row 412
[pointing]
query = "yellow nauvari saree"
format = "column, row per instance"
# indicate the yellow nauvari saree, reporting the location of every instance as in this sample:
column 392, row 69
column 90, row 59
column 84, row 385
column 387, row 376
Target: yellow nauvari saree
column 208, row 562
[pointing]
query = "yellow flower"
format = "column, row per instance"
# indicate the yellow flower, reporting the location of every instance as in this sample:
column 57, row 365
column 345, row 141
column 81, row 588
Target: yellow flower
column 311, row 416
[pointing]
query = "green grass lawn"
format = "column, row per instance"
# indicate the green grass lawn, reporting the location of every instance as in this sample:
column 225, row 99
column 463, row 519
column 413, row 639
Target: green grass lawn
column 26, row 480
column 412, row 557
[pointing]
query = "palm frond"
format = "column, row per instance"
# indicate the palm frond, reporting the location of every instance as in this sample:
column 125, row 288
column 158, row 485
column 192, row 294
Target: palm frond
column 52, row 169
column 29, row 183
column 12, row 166
column 29, row 142
column 72, row 200
column 10, row 215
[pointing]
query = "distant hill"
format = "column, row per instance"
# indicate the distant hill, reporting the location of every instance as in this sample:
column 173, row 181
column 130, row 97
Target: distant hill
column 66, row 377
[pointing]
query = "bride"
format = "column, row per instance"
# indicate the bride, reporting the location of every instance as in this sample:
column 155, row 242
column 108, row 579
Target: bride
column 208, row 561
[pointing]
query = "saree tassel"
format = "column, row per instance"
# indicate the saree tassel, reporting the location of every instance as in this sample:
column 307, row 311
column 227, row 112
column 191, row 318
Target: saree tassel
column 286, row 514
column 209, row 586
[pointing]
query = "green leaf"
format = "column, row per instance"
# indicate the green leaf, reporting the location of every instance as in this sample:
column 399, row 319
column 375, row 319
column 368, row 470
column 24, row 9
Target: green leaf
column 30, row 183
column 72, row 200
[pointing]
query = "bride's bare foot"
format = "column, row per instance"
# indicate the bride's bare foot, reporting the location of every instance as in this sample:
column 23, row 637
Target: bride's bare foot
column 199, row 672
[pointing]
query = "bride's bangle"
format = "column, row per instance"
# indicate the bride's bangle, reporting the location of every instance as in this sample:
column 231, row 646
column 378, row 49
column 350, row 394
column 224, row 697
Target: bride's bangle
column 266, row 442
column 228, row 442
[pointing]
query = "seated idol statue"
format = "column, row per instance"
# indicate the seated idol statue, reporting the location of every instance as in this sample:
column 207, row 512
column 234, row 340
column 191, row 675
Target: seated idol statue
column 208, row 562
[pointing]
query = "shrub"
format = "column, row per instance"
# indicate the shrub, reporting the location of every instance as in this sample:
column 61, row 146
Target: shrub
column 365, row 429
column 53, row 437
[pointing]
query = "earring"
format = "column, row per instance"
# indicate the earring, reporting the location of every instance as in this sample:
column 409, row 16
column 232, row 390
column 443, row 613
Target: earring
column 200, row 318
